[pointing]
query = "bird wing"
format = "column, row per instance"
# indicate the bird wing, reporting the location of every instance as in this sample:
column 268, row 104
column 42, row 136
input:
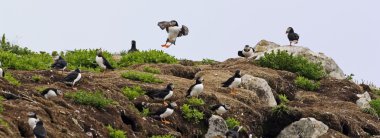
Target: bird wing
column 59, row 63
column 184, row 31
column 190, row 89
column 159, row 111
column 240, row 53
column 39, row 132
column 296, row 36
column 108, row 65
column 157, row 94
column 71, row 77
column 228, row 82
column 163, row 24
column 215, row 107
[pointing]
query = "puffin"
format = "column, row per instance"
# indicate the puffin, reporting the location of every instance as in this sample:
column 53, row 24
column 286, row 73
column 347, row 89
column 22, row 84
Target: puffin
column 73, row 77
column 59, row 63
column 173, row 31
column 220, row 109
column 51, row 92
column 141, row 105
column 102, row 62
column 2, row 72
column 39, row 131
column 246, row 52
column 161, row 94
column 196, row 89
column 133, row 47
column 234, row 133
column 129, row 120
column 233, row 82
column 164, row 112
column 32, row 119
column 292, row 36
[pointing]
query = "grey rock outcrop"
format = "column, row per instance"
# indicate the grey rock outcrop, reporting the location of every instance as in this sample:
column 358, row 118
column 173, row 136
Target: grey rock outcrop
column 363, row 101
column 304, row 128
column 261, row 87
column 217, row 127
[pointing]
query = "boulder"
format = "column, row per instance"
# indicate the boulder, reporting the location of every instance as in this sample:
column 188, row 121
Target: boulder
column 328, row 63
column 217, row 127
column 261, row 87
column 304, row 128
column 363, row 101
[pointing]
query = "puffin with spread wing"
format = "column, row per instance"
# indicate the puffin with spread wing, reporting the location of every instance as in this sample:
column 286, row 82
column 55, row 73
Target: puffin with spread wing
column 173, row 30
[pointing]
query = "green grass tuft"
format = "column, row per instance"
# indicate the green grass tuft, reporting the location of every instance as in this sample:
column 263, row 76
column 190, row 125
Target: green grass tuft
column 145, row 112
column 152, row 70
column 232, row 122
column 195, row 101
column 191, row 114
column 370, row 111
column 141, row 76
column 375, row 104
column 9, row 77
column 95, row 99
column 149, row 56
column 132, row 92
column 36, row 78
column 283, row 98
column 114, row 133
column 306, row 84
column 280, row 110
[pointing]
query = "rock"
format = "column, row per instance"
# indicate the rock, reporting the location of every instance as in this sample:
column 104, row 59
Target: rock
column 217, row 127
column 328, row 63
column 304, row 128
column 261, row 87
column 363, row 101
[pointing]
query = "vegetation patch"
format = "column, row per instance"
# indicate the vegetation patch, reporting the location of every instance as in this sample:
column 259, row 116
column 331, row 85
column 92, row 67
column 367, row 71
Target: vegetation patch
column 132, row 92
column 232, row 122
column 9, row 77
column 195, row 101
column 95, row 99
column 207, row 61
column 36, row 78
column 85, row 59
column 370, row 111
column 31, row 61
column 283, row 99
column 152, row 70
column 149, row 56
column 145, row 112
column 375, row 104
column 114, row 133
column 141, row 76
column 191, row 114
column 282, row 60
column 7, row 46
column 280, row 110
column 306, row 84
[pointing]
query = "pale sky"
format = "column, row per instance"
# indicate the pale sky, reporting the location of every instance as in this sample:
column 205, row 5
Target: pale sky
column 346, row 30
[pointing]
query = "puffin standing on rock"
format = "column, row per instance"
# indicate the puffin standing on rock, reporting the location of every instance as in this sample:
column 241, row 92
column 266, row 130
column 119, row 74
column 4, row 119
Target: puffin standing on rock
column 60, row 64
column 101, row 61
column 292, row 36
column 51, row 92
column 73, row 77
column 220, row 109
column 196, row 89
column 233, row 82
column 164, row 112
column 173, row 30
column 247, row 52
column 162, row 94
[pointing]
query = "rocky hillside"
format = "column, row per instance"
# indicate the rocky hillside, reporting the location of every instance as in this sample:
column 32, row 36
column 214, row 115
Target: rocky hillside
column 259, row 105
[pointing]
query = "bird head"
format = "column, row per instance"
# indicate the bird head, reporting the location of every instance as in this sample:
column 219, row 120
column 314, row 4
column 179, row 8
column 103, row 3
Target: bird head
column 133, row 42
column 237, row 73
column 173, row 23
column 247, row 48
column 59, row 92
column 227, row 107
column 289, row 30
column 39, row 123
column 32, row 115
column 77, row 70
column 199, row 80
column 170, row 86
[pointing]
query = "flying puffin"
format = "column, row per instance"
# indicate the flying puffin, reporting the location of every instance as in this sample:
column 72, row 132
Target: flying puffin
column 73, row 77
column 173, row 30
column 220, row 108
column 196, row 88
column 164, row 112
column 102, row 62
column 141, row 105
column 32, row 119
column 233, row 82
column 39, row 131
column 292, row 36
column 234, row 133
column 133, row 47
column 2, row 72
column 59, row 63
column 51, row 92
column 246, row 52
column 161, row 94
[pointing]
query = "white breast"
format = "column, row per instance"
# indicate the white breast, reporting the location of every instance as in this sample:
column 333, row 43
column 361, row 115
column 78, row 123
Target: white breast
column 1, row 72
column 32, row 122
column 235, row 83
column 197, row 89
column 173, row 33
column 221, row 110
column 169, row 95
column 167, row 113
column 50, row 94
column 100, row 62
column 77, row 79
column 249, row 53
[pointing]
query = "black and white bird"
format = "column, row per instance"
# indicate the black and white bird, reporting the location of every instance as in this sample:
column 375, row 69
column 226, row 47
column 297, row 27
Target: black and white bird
column 196, row 89
column 141, row 105
column 2, row 72
column 162, row 94
column 220, row 109
column 246, row 52
column 233, row 82
column 73, row 77
column 102, row 62
column 173, row 31
column 59, row 64
column 234, row 133
column 129, row 120
column 32, row 119
column 51, row 92
column 292, row 36
column 39, row 131
column 164, row 112
column 133, row 47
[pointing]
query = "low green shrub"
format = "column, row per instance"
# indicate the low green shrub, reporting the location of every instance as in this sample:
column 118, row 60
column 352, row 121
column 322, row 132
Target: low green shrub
column 306, row 84
column 162, row 136
column 280, row 110
column 6, row 46
column 145, row 112
column 375, row 104
column 25, row 62
column 132, row 92
column 36, row 78
column 370, row 111
column 149, row 56
column 283, row 98
column 84, row 59
column 1, row 104
column 114, row 133
column 95, row 99
column 232, row 122
column 152, row 70
column 191, row 114
column 9, row 77
column 141, row 76
column 282, row 60
column 207, row 61
column 195, row 101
